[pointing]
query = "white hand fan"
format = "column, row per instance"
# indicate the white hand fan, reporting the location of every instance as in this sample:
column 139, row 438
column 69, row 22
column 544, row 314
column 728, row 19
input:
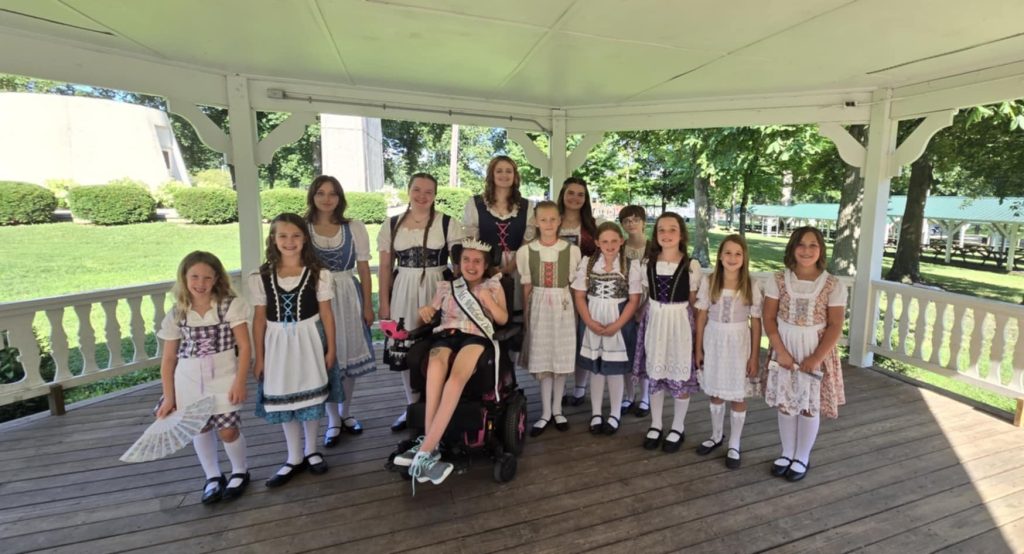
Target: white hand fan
column 170, row 434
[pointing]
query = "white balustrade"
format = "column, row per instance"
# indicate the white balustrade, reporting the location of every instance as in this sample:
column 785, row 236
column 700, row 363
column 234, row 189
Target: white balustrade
column 982, row 337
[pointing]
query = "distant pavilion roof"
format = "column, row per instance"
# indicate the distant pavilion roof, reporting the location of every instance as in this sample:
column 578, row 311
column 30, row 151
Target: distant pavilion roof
column 984, row 209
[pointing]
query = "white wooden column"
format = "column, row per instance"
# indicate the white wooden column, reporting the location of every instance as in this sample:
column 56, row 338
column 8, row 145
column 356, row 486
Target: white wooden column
column 557, row 153
column 878, row 161
column 558, row 164
column 1012, row 250
column 242, row 124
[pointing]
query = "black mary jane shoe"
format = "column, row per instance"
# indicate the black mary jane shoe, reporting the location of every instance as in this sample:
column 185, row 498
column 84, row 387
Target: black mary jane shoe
column 596, row 425
column 216, row 493
column 279, row 479
column 794, row 475
column 561, row 423
column 329, row 441
column 672, row 446
column 730, row 462
column 316, row 468
column 231, row 493
column 352, row 426
column 779, row 470
column 627, row 406
column 641, row 411
column 573, row 400
column 538, row 430
column 652, row 443
column 704, row 448
column 610, row 429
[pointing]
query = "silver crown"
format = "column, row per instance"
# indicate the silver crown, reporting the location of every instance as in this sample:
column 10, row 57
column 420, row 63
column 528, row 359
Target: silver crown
column 473, row 244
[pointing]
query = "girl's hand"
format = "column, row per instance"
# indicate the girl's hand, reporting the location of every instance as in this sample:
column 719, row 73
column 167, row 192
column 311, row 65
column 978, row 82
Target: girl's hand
column 257, row 369
column 384, row 312
column 368, row 315
column 596, row 327
column 785, row 359
column 698, row 358
column 810, row 365
column 166, row 408
column 330, row 358
column 752, row 368
column 427, row 313
column 611, row 329
column 237, row 393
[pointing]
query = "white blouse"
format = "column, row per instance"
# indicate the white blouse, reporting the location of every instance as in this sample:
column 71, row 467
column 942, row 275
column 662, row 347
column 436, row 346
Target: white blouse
column 729, row 308
column 258, row 296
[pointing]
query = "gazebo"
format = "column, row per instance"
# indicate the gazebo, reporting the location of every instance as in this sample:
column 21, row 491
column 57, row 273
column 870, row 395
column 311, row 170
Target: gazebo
column 559, row 68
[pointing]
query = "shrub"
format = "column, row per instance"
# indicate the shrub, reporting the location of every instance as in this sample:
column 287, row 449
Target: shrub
column 212, row 178
column 207, row 206
column 368, row 207
column 278, row 201
column 452, row 200
column 22, row 203
column 60, row 188
column 164, row 194
column 118, row 203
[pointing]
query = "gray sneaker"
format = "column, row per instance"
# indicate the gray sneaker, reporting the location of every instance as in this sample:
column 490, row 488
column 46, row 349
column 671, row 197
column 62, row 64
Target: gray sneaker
column 429, row 467
column 405, row 458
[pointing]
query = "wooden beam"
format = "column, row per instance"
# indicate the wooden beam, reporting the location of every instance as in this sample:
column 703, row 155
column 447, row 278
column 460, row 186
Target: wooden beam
column 1018, row 416
column 56, row 400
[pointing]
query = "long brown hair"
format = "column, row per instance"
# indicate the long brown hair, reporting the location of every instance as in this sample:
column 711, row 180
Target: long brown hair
column 743, row 288
column 654, row 248
column 587, row 221
column 609, row 226
column 408, row 208
column 308, row 255
column 221, row 287
column 490, row 197
column 789, row 258
column 338, row 215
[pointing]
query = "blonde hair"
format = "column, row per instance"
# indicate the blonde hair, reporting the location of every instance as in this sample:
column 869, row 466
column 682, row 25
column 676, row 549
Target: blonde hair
column 608, row 226
column 221, row 287
column 743, row 288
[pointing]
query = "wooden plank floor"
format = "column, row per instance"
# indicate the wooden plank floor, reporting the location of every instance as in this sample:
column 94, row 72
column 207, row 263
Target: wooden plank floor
column 902, row 470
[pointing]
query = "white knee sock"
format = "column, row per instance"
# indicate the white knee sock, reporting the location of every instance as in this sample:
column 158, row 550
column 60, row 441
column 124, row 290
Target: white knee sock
column 349, row 385
column 293, row 439
column 628, row 390
column 206, row 449
column 806, row 433
column 236, row 451
column 333, row 419
column 546, row 388
column 679, row 415
column 657, row 409
column 558, row 389
column 736, row 420
column 596, row 393
column 615, row 385
column 580, row 382
column 309, row 429
column 717, row 421
column 410, row 396
column 787, row 434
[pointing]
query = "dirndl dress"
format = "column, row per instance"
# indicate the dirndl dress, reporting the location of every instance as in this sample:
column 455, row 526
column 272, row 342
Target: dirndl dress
column 664, row 352
column 727, row 342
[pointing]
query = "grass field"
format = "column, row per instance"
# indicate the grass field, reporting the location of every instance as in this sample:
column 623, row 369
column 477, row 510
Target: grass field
column 65, row 258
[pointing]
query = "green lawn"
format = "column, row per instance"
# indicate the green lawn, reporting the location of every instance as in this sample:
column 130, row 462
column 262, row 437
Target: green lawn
column 65, row 258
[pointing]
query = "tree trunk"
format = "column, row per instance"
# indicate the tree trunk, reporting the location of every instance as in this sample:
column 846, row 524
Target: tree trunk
column 851, row 201
column 744, row 200
column 907, row 264
column 702, row 220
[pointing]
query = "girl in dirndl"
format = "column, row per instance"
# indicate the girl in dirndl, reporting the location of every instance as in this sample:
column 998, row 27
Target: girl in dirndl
column 804, row 309
column 343, row 247
column 200, row 336
column 728, row 343
column 414, row 248
column 606, row 294
column 291, row 294
column 664, row 350
column 546, row 266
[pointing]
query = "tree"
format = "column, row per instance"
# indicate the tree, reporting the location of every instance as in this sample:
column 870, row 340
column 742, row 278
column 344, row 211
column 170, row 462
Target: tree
column 851, row 202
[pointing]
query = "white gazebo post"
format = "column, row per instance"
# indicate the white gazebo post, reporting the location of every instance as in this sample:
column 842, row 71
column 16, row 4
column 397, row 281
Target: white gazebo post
column 242, row 123
column 1012, row 247
column 880, row 160
column 558, row 163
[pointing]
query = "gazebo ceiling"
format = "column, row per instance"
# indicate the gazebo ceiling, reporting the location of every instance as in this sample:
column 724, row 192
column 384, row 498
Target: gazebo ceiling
column 544, row 54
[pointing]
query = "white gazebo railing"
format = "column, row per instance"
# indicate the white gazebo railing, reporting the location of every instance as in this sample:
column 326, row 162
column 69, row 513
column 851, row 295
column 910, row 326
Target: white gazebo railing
column 970, row 339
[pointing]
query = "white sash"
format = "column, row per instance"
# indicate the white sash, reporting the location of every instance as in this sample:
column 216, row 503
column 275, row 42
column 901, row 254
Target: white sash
column 474, row 311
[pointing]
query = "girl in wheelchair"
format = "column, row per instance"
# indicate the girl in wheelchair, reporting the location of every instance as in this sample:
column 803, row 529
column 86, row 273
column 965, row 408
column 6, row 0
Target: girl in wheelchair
column 469, row 307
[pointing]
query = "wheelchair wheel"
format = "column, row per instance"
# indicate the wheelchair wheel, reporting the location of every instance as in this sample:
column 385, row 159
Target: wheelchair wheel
column 505, row 468
column 513, row 428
